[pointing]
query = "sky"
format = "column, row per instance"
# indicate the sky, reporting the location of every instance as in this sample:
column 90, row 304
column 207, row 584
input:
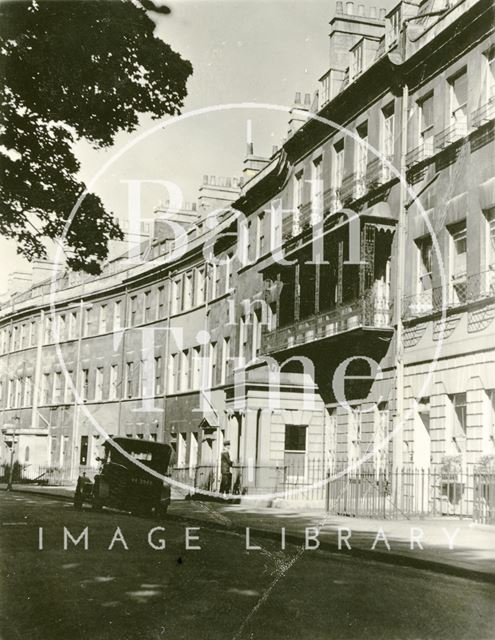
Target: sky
column 242, row 51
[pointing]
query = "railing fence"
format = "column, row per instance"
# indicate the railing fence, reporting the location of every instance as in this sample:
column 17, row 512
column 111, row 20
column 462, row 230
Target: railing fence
column 365, row 491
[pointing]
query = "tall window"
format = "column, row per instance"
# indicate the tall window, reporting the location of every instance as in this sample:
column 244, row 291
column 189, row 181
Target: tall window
column 196, row 367
column 10, row 393
column 388, row 131
column 229, row 272
column 133, row 311
column 426, row 123
column 489, row 75
column 393, row 25
column 158, row 376
column 260, row 235
column 297, row 199
column 295, row 451
column 87, row 322
column 99, row 384
column 85, row 384
column 458, row 99
column 176, row 295
column 22, row 332
column 48, row 331
column 57, row 387
column 211, row 281
column 256, row 331
column 161, row 302
column 45, row 388
column 242, row 338
column 117, row 314
column 425, row 254
column 129, row 367
column 184, row 370
column 103, row 319
column 72, row 324
column 15, row 337
column 172, row 373
column 188, row 291
column 213, row 364
column 338, row 165
column 61, row 327
column 225, row 360
column 18, row 392
column 490, row 219
column 114, row 377
column 357, row 59
column 147, row 306
column 459, row 249
column 28, row 391
column 362, row 150
column 199, row 285
column 317, row 189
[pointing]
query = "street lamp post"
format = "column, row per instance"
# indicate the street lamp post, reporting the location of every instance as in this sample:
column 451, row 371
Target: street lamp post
column 11, row 470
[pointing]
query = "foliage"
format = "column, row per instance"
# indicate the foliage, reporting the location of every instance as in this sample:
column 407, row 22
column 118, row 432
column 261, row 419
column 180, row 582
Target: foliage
column 73, row 70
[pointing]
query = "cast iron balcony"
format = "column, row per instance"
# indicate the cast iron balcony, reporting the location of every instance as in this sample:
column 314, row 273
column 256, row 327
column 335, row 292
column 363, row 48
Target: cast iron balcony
column 420, row 153
column 378, row 172
column 451, row 134
column 372, row 310
column 462, row 290
column 353, row 187
column 483, row 114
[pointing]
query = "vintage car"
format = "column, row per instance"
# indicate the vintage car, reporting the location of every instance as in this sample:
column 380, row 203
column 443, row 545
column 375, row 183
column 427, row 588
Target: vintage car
column 122, row 484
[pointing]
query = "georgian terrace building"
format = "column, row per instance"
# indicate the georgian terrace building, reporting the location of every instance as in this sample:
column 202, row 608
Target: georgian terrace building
column 312, row 348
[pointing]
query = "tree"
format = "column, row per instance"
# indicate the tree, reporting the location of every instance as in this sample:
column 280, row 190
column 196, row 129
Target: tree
column 72, row 70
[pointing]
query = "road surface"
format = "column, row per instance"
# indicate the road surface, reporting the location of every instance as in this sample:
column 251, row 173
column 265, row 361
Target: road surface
column 221, row 591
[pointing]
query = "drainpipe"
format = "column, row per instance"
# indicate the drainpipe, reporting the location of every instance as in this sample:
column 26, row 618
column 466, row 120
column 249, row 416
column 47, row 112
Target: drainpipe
column 399, row 289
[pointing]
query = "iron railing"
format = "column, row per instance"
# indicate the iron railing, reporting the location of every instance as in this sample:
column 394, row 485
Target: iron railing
column 378, row 171
column 451, row 134
column 356, row 490
column 461, row 291
column 46, row 475
column 353, row 187
column 422, row 152
column 483, row 114
column 371, row 310
column 363, row 491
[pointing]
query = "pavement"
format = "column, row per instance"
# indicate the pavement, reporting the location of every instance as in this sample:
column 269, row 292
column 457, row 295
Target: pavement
column 132, row 578
column 444, row 545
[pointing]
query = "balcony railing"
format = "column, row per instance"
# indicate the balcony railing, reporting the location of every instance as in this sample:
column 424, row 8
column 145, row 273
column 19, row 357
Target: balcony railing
column 484, row 114
column 451, row 134
column 461, row 291
column 353, row 187
column 371, row 310
column 378, row 172
column 422, row 152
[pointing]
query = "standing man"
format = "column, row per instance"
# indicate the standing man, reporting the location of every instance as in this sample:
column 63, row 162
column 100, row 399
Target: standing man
column 225, row 468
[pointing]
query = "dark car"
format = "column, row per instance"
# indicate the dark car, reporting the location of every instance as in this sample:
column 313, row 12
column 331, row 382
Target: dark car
column 123, row 484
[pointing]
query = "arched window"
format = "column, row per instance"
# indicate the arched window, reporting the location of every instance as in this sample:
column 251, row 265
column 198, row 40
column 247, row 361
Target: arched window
column 26, row 454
